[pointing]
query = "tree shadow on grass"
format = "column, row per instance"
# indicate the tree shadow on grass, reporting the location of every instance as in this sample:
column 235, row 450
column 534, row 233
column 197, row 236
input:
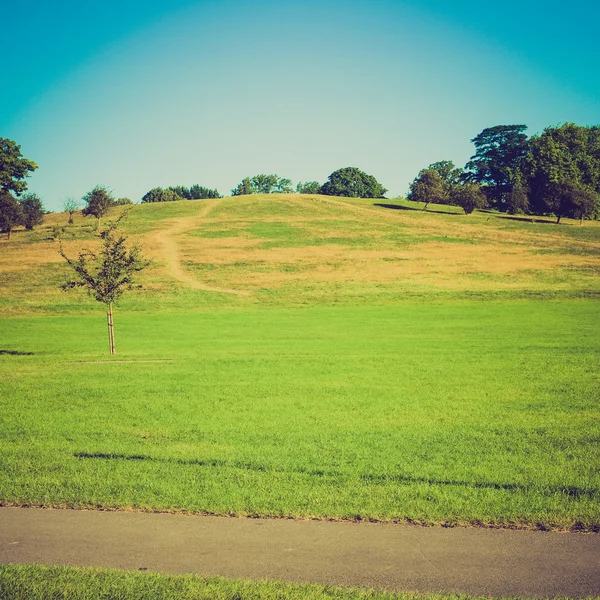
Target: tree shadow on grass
column 16, row 353
column 376, row 479
column 400, row 207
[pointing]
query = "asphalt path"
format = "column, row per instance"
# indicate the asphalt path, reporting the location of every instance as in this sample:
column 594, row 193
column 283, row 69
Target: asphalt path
column 490, row 562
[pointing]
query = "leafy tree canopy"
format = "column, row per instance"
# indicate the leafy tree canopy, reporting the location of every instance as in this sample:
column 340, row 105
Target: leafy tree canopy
column 263, row 184
column 11, row 213
column 468, row 196
column 353, row 183
column 427, row 187
column 33, row 210
column 13, row 167
column 159, row 194
column 310, row 187
column 97, row 202
column 499, row 152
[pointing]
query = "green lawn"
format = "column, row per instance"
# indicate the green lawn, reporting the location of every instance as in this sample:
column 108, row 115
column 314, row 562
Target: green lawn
column 32, row 582
column 449, row 411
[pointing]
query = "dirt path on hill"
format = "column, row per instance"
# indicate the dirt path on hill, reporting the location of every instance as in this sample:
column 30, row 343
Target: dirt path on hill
column 490, row 562
column 166, row 239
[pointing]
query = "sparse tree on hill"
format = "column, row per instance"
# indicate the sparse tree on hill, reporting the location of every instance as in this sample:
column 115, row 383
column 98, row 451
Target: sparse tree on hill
column 468, row 196
column 97, row 202
column 310, row 187
column 427, row 187
column 33, row 210
column 353, row 183
column 108, row 273
column 11, row 213
column 13, row 167
column 71, row 205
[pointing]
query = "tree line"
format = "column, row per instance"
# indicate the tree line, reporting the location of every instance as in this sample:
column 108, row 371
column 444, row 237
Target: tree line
column 554, row 173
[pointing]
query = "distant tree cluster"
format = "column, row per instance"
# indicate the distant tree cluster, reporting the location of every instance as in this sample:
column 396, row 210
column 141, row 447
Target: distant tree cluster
column 263, row 184
column 180, row 192
column 349, row 181
column 554, row 173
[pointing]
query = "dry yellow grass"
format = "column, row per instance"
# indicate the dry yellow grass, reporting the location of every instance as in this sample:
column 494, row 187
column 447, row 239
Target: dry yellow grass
column 297, row 245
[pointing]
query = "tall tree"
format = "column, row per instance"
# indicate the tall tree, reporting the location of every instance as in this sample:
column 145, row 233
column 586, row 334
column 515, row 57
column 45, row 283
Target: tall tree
column 13, row 167
column 518, row 199
column 427, row 187
column 33, row 210
column 562, row 168
column 106, row 274
column 353, row 183
column 11, row 213
column 243, row 188
column 499, row 153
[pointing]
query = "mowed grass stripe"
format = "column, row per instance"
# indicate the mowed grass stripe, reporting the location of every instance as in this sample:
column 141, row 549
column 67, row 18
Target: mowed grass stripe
column 462, row 412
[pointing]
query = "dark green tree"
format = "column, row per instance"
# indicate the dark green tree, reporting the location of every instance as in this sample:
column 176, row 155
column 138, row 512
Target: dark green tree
column 310, row 187
column 108, row 273
column 450, row 174
column 563, row 162
column 158, row 194
column 427, row 187
column 97, row 202
column 499, row 154
column 181, row 191
column 13, row 167
column 11, row 213
column 468, row 196
column 517, row 201
column 571, row 199
column 33, row 210
column 198, row 192
column 352, row 183
column 243, row 188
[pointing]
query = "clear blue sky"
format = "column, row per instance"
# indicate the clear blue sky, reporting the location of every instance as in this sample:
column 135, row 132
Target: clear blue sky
column 140, row 93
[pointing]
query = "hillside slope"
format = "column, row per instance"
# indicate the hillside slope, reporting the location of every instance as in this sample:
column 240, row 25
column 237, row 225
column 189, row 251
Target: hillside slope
column 295, row 249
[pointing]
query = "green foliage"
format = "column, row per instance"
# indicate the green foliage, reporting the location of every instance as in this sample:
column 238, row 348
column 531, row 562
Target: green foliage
column 181, row 191
column 499, row 153
column 563, row 169
column 427, row 187
column 33, row 210
column 11, row 213
column 97, row 202
column 310, row 187
column 198, row 192
column 159, row 194
column 468, row 196
column 518, row 200
column 353, row 183
column 263, row 184
column 13, row 167
column 109, row 272
column 122, row 202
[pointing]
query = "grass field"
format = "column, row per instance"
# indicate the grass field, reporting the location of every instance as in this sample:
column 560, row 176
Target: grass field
column 381, row 363
column 49, row 583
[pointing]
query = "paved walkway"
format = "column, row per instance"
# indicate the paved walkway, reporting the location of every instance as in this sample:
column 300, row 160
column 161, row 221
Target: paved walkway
column 397, row 557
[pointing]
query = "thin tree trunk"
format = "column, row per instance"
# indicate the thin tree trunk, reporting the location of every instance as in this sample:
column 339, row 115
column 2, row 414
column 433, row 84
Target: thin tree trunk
column 581, row 220
column 9, row 230
column 426, row 205
column 111, row 329
column 558, row 220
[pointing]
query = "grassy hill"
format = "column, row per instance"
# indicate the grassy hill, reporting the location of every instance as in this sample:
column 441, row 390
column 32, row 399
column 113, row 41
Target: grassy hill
column 310, row 356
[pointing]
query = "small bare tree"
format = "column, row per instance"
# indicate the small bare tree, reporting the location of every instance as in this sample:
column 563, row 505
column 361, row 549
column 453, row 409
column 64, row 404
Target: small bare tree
column 71, row 205
column 106, row 274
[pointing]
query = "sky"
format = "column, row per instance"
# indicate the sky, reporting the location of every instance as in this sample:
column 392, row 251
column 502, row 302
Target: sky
column 136, row 94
